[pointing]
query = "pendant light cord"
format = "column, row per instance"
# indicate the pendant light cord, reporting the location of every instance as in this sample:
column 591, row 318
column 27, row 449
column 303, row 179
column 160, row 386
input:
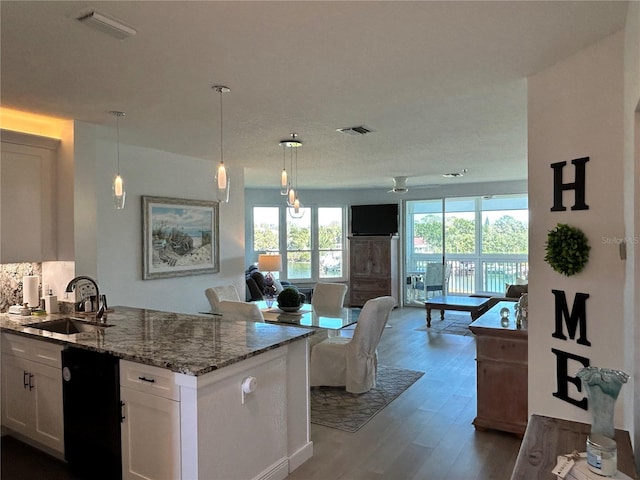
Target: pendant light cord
column 221, row 152
column 118, row 143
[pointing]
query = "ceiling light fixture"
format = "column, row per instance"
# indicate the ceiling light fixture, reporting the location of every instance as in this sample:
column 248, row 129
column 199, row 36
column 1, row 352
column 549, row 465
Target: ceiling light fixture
column 106, row 24
column 296, row 210
column 119, row 192
column 284, row 181
column 221, row 177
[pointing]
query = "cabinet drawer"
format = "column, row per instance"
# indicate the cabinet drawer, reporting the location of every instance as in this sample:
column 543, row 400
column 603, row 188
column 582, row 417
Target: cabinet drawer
column 148, row 379
column 370, row 284
column 500, row 349
column 38, row 351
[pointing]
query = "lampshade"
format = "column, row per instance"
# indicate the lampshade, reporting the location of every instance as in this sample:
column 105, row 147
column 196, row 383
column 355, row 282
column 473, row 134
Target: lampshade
column 270, row 263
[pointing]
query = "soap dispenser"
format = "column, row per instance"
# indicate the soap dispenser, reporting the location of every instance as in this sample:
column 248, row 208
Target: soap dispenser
column 51, row 302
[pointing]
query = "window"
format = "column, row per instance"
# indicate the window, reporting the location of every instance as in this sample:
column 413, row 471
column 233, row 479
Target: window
column 485, row 243
column 330, row 241
column 298, row 256
column 312, row 247
column 266, row 229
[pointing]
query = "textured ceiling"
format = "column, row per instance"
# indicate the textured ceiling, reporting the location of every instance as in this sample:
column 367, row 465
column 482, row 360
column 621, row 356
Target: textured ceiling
column 441, row 84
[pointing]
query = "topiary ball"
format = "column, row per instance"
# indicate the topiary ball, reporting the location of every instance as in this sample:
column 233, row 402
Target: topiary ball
column 289, row 299
column 567, row 249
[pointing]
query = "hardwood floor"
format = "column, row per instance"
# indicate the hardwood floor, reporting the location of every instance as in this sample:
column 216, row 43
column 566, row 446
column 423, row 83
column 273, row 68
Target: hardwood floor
column 426, row 433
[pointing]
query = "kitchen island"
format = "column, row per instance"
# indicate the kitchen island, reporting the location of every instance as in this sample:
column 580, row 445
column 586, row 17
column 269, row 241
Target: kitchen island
column 234, row 396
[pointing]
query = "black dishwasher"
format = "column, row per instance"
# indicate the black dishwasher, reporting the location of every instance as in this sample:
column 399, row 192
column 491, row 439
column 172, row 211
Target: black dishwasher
column 91, row 394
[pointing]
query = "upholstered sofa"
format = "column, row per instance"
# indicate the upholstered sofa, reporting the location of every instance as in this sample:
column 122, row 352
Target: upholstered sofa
column 512, row 293
column 255, row 284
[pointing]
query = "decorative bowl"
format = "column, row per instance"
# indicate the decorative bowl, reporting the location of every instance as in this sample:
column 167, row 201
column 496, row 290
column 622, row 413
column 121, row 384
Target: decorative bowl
column 289, row 309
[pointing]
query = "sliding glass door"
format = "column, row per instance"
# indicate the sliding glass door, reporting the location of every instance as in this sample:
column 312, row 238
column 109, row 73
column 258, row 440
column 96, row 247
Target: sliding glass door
column 460, row 246
column 424, row 249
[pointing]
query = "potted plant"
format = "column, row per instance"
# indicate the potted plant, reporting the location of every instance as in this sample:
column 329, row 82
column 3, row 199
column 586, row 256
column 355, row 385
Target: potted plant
column 290, row 300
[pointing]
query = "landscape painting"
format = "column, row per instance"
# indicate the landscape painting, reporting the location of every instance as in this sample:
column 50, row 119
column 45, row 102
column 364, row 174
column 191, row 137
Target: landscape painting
column 180, row 237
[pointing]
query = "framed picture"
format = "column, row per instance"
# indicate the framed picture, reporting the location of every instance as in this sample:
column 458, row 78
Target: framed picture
column 180, row 237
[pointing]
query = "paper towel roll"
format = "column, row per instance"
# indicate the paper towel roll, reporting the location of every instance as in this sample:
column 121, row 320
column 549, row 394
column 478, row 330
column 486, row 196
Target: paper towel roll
column 30, row 292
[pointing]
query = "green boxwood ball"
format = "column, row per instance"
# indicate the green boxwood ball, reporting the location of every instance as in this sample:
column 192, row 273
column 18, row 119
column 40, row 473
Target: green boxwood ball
column 567, row 249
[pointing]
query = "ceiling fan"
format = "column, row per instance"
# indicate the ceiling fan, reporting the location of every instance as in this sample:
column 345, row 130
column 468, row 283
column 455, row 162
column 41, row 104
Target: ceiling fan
column 400, row 186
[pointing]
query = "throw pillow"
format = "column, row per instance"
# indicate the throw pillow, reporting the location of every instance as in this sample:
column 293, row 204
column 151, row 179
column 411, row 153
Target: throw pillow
column 278, row 285
column 515, row 291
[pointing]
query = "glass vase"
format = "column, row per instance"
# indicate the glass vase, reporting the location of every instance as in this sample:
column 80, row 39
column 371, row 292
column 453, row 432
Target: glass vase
column 269, row 299
column 603, row 386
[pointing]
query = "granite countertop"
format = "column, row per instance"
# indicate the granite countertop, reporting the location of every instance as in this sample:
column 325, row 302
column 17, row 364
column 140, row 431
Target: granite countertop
column 188, row 344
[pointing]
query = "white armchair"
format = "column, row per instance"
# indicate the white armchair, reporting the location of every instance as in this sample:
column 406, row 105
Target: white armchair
column 329, row 295
column 352, row 362
column 248, row 312
column 215, row 295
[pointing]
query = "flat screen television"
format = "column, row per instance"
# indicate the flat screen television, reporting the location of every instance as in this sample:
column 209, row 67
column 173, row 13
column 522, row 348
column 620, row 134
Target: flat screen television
column 380, row 220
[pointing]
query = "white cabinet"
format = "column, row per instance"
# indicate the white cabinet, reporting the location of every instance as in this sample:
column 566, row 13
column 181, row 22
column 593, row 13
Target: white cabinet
column 179, row 426
column 151, row 424
column 32, row 390
column 28, row 198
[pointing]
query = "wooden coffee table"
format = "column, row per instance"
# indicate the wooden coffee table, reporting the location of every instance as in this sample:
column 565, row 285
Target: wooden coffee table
column 476, row 306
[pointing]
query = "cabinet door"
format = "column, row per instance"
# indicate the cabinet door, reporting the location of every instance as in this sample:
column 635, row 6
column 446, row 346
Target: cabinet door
column 380, row 261
column 48, row 425
column 150, row 436
column 17, row 405
column 27, row 217
column 360, row 258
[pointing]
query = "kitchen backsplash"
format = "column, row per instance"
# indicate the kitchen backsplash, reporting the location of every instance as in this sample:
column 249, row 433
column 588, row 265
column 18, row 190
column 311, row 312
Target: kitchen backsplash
column 11, row 282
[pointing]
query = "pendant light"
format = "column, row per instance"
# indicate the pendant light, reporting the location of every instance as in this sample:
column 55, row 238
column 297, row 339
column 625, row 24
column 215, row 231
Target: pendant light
column 296, row 210
column 221, row 178
column 284, row 181
column 119, row 192
column 285, row 186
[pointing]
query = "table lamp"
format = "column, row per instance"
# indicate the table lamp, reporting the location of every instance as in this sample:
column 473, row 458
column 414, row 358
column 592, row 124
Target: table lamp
column 269, row 263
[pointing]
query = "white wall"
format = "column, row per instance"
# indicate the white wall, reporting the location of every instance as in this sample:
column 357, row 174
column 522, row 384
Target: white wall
column 109, row 241
column 632, row 198
column 576, row 110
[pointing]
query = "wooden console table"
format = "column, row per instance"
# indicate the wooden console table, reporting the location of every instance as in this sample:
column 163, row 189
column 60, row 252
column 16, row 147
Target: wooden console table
column 548, row 437
column 502, row 372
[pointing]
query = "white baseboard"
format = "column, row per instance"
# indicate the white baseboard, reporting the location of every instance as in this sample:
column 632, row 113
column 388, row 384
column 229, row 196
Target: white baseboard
column 300, row 456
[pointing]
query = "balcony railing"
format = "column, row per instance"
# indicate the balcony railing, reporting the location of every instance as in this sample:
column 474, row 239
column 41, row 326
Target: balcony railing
column 468, row 276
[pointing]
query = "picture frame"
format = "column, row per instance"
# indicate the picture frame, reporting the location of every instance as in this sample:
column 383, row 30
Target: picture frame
column 180, row 237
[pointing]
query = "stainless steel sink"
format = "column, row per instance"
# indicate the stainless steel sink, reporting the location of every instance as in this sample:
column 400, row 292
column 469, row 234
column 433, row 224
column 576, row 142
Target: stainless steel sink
column 68, row 326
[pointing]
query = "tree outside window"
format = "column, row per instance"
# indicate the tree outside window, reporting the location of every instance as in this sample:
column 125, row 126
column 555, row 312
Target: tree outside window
column 299, row 246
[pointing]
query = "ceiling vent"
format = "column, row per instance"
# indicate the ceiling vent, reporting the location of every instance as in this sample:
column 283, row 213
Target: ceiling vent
column 359, row 130
column 106, row 24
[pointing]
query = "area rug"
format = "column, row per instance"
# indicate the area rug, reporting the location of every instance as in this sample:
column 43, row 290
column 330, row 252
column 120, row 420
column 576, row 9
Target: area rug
column 336, row 408
column 454, row 323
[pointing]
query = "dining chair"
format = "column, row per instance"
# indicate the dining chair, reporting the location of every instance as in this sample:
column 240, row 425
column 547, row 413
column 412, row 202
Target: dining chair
column 329, row 295
column 352, row 362
column 215, row 295
column 245, row 311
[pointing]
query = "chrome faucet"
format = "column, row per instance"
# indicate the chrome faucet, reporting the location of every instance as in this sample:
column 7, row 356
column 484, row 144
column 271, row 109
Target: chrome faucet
column 72, row 285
